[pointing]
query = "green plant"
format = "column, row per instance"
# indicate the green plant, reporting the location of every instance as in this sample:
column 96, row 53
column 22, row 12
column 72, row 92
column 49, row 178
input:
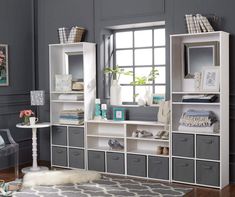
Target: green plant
column 142, row 80
column 116, row 72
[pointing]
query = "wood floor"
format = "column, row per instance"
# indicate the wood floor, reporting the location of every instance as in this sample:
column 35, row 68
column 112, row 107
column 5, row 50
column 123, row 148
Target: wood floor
column 229, row 191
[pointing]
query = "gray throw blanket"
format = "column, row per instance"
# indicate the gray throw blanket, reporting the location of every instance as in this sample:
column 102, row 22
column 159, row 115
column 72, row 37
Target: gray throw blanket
column 198, row 118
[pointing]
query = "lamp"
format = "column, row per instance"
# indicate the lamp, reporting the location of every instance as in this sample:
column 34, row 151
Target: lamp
column 37, row 97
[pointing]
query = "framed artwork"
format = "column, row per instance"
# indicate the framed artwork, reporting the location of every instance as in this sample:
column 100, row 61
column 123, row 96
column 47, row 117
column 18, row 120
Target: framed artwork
column 200, row 54
column 210, row 79
column 63, row 83
column 157, row 98
column 119, row 114
column 4, row 75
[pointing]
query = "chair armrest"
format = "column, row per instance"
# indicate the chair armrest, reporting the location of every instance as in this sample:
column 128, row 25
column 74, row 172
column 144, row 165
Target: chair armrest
column 10, row 138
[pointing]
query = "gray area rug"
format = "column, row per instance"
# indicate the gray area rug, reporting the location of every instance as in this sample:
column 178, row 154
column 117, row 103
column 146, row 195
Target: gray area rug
column 107, row 186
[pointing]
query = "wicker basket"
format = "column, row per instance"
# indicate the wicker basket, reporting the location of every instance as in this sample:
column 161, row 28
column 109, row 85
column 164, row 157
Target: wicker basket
column 75, row 34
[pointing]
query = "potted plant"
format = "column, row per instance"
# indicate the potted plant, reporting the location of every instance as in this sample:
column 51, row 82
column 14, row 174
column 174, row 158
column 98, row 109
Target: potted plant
column 115, row 88
column 143, row 80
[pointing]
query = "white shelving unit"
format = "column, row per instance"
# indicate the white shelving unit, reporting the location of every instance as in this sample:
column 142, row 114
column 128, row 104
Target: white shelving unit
column 208, row 170
column 142, row 150
column 68, row 140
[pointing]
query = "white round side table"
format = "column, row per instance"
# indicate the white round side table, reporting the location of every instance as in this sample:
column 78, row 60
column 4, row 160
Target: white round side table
column 35, row 167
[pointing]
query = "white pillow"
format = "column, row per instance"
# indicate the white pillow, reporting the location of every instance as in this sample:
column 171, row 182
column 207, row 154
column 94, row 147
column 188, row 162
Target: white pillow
column 2, row 143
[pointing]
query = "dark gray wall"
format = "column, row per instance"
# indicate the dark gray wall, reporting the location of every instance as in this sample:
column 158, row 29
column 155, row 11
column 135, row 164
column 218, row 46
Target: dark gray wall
column 16, row 24
column 52, row 15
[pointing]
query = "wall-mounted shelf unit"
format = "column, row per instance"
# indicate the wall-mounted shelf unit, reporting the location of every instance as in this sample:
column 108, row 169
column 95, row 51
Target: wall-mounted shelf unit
column 199, row 157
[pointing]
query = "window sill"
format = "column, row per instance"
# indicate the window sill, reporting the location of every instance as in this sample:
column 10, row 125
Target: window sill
column 155, row 105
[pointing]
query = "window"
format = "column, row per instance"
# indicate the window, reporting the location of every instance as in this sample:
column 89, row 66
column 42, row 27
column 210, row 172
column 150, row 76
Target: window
column 140, row 51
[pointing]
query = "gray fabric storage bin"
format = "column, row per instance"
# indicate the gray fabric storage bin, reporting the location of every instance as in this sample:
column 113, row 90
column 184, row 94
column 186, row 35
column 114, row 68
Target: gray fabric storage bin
column 136, row 165
column 115, row 163
column 76, row 136
column 158, row 167
column 59, row 135
column 59, row 156
column 183, row 170
column 183, row 145
column 96, row 161
column 208, row 147
column 76, row 158
column 208, row 173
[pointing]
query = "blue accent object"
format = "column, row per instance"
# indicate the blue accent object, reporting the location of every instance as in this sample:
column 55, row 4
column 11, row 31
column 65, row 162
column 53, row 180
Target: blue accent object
column 104, row 114
column 119, row 114
column 97, row 109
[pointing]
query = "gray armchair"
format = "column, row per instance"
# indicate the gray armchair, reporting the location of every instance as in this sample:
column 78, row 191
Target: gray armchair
column 8, row 147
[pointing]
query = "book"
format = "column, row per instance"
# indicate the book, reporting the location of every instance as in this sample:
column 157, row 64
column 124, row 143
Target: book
column 188, row 23
column 198, row 16
column 192, row 25
column 198, row 30
column 72, row 33
column 207, row 24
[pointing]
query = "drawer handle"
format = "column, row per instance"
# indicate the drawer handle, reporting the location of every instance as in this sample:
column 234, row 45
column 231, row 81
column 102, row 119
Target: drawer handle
column 157, row 162
column 184, row 140
column 208, row 141
column 136, row 160
column 115, row 158
column 184, row 165
column 59, row 151
column 207, row 167
column 76, row 154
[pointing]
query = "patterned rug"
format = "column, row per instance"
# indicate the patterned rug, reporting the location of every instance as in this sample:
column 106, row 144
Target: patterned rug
column 107, row 186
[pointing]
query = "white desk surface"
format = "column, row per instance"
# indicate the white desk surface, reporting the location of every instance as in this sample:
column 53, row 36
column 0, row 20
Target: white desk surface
column 37, row 125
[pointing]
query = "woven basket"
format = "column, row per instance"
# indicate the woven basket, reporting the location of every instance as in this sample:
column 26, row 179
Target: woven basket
column 80, row 31
column 74, row 34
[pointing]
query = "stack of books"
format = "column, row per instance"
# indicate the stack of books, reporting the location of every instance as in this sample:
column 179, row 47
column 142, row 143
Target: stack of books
column 198, row 23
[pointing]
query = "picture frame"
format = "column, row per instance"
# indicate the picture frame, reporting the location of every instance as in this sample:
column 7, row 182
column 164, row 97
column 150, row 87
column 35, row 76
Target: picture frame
column 4, row 70
column 157, row 98
column 210, row 79
column 119, row 114
column 199, row 54
column 63, row 83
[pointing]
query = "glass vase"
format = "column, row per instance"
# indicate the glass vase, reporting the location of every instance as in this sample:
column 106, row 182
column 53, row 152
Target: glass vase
column 26, row 120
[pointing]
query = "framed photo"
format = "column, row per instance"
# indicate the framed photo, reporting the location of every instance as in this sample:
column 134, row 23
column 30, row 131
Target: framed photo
column 63, row 83
column 4, row 75
column 119, row 114
column 157, row 98
column 210, row 79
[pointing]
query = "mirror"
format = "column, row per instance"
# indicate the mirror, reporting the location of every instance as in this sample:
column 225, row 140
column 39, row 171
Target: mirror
column 74, row 65
column 199, row 55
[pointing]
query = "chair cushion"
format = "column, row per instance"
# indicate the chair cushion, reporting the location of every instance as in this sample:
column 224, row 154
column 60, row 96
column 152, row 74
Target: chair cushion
column 2, row 142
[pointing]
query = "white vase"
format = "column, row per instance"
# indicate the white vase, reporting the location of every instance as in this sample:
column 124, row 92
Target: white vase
column 148, row 96
column 115, row 93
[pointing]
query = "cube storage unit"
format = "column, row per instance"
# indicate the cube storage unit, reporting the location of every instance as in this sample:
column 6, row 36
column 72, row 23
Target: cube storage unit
column 68, row 140
column 139, row 156
column 200, row 158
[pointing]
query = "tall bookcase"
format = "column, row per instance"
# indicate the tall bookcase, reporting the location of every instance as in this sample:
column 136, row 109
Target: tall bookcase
column 68, row 141
column 199, row 158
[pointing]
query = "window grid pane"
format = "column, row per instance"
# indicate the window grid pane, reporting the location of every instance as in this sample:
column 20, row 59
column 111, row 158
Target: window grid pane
column 142, row 56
